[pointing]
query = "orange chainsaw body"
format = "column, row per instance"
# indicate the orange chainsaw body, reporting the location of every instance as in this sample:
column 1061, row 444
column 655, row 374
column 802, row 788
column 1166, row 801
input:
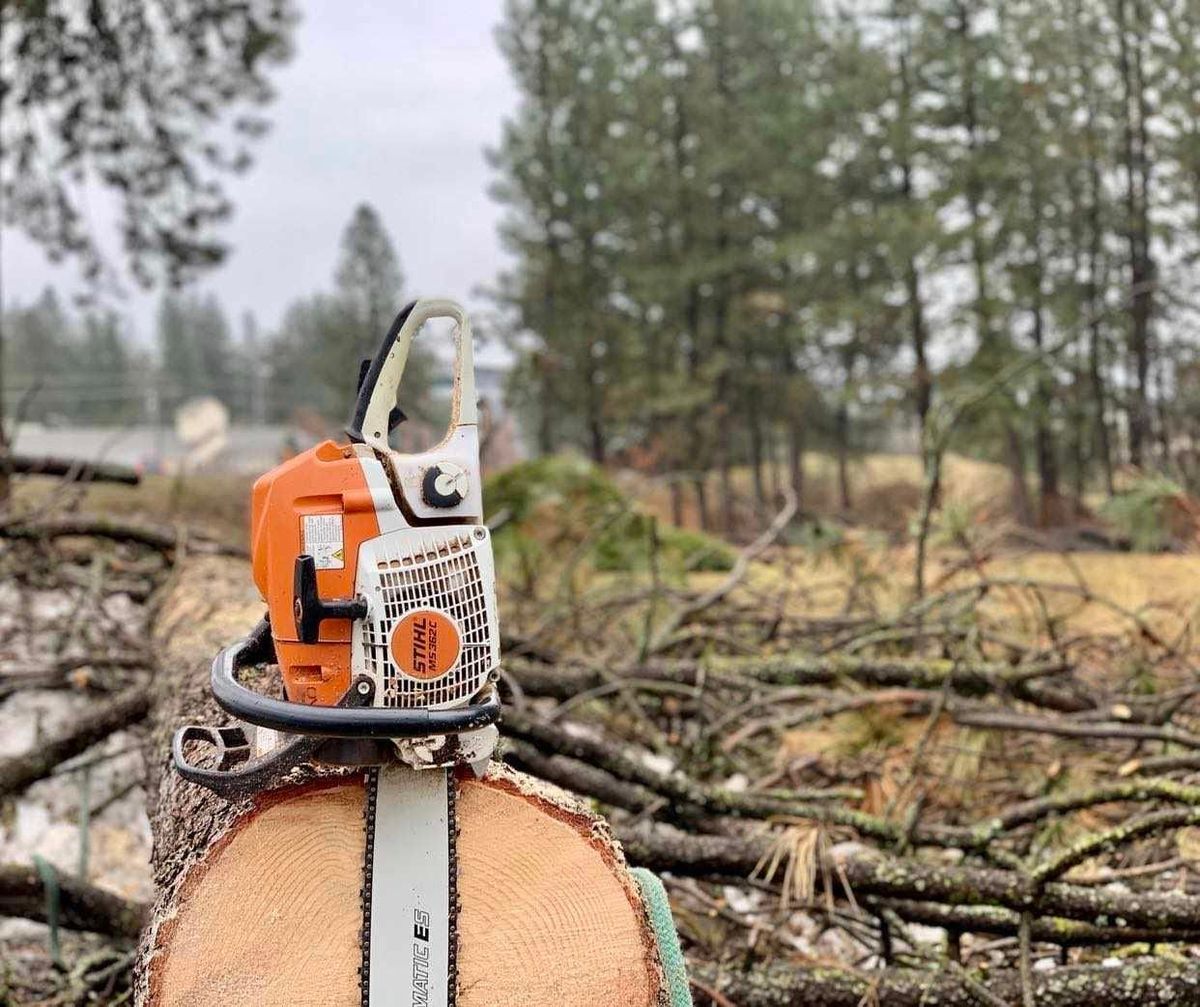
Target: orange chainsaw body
column 379, row 579
column 325, row 481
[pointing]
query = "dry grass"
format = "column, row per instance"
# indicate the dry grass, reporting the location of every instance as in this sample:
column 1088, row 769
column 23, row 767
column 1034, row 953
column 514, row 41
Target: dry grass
column 885, row 489
column 1159, row 586
column 1163, row 589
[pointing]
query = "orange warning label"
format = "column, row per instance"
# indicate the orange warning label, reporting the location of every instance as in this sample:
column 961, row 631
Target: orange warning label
column 425, row 644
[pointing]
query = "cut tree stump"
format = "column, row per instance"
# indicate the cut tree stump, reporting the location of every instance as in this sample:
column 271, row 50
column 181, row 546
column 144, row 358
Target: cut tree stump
column 259, row 901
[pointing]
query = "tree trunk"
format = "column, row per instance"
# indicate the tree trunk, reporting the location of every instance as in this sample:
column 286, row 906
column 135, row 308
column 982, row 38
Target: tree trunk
column 549, row 306
column 776, row 489
column 973, row 186
column 1051, row 505
column 796, row 434
column 922, row 378
column 1022, row 508
column 1092, row 299
column 754, row 424
column 1137, row 230
column 796, row 447
column 259, row 900
column 693, row 419
column 724, row 293
column 599, row 446
column 1078, row 427
column 841, row 424
column 842, row 433
column 700, row 488
column 676, row 501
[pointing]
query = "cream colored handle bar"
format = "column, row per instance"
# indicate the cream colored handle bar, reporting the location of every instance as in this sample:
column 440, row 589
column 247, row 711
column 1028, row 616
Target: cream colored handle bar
column 377, row 396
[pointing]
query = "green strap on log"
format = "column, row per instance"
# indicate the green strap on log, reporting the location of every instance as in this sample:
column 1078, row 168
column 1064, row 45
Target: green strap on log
column 654, row 895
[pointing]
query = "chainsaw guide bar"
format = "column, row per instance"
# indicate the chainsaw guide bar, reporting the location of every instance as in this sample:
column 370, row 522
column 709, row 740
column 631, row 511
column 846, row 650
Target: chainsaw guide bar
column 410, row 915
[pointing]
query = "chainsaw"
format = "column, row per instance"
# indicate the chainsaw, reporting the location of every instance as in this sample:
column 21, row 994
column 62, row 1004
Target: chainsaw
column 378, row 575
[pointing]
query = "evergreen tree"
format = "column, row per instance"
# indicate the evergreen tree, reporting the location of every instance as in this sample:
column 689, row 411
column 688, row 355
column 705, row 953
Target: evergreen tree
column 194, row 350
column 741, row 230
column 315, row 357
column 110, row 366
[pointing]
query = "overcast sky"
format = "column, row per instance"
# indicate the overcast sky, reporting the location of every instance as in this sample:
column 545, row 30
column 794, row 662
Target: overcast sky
column 392, row 103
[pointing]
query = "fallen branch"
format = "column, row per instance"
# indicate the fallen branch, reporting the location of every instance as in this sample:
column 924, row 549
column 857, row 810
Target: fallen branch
column 1028, row 812
column 20, row 771
column 972, row 679
column 870, row 873
column 663, row 636
column 684, row 798
column 1146, row 825
column 81, row 906
column 579, row 777
column 71, row 469
column 1129, row 984
column 1052, row 930
column 57, row 674
column 163, row 539
column 1000, row 720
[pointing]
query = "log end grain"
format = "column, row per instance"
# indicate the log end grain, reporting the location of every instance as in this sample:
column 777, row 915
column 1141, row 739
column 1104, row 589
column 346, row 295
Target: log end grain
column 272, row 913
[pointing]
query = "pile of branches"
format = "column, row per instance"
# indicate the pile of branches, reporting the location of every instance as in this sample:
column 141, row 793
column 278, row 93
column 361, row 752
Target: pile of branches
column 79, row 591
column 962, row 800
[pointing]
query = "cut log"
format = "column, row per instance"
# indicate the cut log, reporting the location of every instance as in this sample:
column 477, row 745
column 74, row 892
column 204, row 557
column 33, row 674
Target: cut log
column 260, row 901
column 72, row 469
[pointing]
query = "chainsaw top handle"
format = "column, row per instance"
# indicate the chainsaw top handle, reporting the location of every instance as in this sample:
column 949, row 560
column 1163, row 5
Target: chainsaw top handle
column 371, row 419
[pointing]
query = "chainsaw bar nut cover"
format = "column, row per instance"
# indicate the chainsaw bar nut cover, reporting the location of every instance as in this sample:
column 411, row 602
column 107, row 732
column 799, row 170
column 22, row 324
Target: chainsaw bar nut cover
column 444, row 485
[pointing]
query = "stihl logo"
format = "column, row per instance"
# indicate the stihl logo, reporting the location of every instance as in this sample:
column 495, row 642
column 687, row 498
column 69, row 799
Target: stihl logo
column 425, row 644
column 420, row 961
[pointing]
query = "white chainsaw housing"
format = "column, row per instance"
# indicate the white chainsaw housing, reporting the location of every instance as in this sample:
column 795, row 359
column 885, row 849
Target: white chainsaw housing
column 448, row 569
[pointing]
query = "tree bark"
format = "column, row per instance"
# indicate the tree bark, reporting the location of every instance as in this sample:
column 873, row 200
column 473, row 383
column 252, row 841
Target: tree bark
column 869, row 873
column 754, row 423
column 1022, row 508
column 78, row 471
column 676, row 491
column 1092, row 298
column 841, row 429
column 1141, row 265
column 922, row 376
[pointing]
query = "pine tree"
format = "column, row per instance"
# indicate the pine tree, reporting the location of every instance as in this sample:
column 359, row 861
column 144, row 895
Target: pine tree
column 194, row 350
column 324, row 338
column 110, row 368
column 742, row 231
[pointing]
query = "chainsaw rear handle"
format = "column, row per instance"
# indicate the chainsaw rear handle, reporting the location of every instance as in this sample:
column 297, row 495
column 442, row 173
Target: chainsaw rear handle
column 336, row 721
column 371, row 420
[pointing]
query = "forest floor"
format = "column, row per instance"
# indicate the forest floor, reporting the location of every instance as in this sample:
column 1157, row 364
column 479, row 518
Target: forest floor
column 803, row 708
